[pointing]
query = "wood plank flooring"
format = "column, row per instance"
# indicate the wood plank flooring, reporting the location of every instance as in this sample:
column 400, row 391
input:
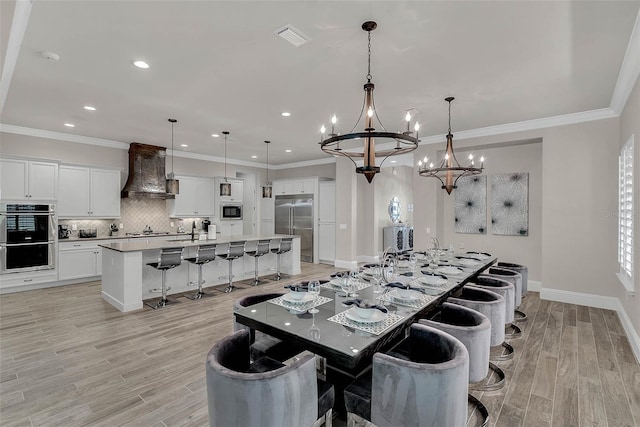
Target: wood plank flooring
column 69, row 358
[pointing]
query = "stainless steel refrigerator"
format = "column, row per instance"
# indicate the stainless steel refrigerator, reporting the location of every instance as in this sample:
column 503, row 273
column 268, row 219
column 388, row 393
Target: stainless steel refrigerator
column 294, row 216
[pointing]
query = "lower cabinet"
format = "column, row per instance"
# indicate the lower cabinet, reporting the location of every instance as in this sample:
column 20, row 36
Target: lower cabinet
column 78, row 260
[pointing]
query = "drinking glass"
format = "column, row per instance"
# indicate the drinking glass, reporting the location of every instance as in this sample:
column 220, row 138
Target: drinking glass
column 345, row 285
column 314, row 330
column 314, row 289
column 354, row 278
column 377, row 279
column 450, row 252
column 413, row 259
column 434, row 259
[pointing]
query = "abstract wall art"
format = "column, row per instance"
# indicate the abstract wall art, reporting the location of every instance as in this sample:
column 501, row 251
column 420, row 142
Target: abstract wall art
column 471, row 205
column 510, row 204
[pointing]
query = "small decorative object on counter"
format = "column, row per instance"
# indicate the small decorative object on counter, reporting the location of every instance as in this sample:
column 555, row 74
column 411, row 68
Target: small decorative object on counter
column 113, row 229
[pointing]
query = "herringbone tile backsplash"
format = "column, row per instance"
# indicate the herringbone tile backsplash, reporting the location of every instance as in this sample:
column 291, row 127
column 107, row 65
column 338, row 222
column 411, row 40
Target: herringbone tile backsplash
column 135, row 215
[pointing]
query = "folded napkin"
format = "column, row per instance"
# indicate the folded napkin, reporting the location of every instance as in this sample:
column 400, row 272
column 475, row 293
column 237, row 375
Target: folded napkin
column 362, row 304
column 298, row 288
column 397, row 285
column 466, row 257
column 370, row 265
column 408, row 274
column 339, row 274
column 479, row 253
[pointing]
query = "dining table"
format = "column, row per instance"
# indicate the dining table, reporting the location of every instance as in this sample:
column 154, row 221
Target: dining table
column 331, row 329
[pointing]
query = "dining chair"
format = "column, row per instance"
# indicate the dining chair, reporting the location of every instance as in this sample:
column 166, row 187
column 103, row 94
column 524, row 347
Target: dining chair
column 429, row 387
column 263, row 344
column 516, row 279
column 507, row 290
column 265, row 392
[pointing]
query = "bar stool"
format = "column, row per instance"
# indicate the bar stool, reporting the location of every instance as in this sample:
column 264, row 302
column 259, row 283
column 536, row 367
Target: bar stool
column 262, row 248
column 473, row 329
column 169, row 258
column 524, row 272
column 205, row 254
column 285, row 246
column 234, row 250
column 507, row 290
column 492, row 305
column 515, row 278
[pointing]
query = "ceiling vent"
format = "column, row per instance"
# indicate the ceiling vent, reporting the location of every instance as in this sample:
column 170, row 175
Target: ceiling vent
column 293, row 35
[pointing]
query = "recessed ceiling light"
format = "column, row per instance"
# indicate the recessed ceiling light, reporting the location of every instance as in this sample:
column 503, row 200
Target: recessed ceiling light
column 70, row 125
column 254, row 157
column 215, row 135
column 285, row 114
column 140, row 64
column 393, row 161
column 184, row 145
column 287, row 151
column 90, row 108
column 293, row 35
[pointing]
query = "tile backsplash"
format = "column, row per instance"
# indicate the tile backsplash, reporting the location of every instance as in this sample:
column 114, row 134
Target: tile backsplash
column 135, row 215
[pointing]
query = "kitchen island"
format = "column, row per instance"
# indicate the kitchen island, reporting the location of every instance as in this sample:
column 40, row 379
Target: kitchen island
column 127, row 280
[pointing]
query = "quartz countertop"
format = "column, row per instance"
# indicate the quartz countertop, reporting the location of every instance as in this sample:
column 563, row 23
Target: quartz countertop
column 155, row 244
column 122, row 236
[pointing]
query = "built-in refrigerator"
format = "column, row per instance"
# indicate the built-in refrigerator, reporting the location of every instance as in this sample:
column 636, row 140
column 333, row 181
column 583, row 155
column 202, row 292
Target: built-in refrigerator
column 294, row 216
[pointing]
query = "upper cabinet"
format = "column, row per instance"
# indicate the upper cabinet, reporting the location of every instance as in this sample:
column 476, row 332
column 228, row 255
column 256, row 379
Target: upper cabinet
column 89, row 192
column 237, row 190
column 195, row 198
column 28, row 180
column 294, row 186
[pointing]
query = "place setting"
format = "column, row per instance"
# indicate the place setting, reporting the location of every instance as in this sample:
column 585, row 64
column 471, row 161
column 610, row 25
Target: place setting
column 411, row 295
column 301, row 298
column 365, row 316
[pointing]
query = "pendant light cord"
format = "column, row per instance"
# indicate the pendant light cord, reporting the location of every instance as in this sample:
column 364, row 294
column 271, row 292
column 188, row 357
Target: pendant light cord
column 369, row 61
column 172, row 147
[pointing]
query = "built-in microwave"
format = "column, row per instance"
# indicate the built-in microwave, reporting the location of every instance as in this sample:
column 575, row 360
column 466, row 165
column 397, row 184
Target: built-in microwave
column 230, row 211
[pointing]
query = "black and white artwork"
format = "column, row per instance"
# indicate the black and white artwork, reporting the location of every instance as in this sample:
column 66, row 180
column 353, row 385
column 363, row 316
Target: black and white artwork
column 510, row 204
column 471, row 205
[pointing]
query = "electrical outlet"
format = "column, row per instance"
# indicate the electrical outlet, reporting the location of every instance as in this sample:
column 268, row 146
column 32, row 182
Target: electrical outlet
column 121, row 226
column 171, row 224
column 428, row 230
column 343, row 226
column 74, row 227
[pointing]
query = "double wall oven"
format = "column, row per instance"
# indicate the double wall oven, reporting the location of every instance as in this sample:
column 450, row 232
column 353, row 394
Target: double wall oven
column 27, row 237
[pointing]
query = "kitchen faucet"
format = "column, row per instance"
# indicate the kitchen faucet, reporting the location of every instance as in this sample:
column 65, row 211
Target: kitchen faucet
column 193, row 231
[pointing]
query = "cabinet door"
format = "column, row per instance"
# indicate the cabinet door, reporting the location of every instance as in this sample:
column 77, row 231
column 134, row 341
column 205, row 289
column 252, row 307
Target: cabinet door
column 278, row 188
column 13, row 182
column 43, row 181
column 308, row 186
column 237, row 191
column 186, row 203
column 73, row 200
column 204, row 198
column 266, row 226
column 267, row 208
column 105, row 193
column 74, row 264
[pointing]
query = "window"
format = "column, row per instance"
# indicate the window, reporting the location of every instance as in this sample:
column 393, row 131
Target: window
column 625, row 215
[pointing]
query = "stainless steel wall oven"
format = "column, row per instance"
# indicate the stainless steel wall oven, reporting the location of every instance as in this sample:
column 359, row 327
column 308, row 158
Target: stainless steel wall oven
column 27, row 237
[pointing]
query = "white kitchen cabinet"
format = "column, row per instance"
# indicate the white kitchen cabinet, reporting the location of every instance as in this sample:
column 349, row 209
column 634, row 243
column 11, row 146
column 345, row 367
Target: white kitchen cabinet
column 327, row 221
column 267, row 226
column 304, row 186
column 294, row 186
column 195, row 198
column 28, row 180
column 237, row 190
column 80, row 259
column 282, row 187
column 89, row 192
column 230, row 228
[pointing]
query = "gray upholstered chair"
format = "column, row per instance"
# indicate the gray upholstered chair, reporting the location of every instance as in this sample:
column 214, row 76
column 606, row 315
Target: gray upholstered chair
column 261, row 343
column 204, row 255
column 235, row 250
column 169, row 258
column 492, row 305
column 524, row 272
column 264, row 393
column 516, row 279
column 429, row 389
column 262, row 248
column 283, row 247
column 473, row 329
column 507, row 290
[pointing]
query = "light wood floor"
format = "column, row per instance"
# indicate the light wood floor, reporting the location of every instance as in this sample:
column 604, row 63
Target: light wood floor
column 69, row 358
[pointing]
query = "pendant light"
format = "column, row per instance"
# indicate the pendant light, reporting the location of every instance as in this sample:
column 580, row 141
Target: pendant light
column 365, row 148
column 449, row 171
column 173, row 185
column 225, row 187
column 267, row 188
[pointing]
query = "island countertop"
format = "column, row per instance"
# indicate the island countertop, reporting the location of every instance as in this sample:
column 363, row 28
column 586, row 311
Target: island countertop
column 146, row 245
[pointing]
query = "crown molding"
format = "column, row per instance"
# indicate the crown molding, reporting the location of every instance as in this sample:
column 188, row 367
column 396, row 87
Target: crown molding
column 629, row 71
column 19, row 23
column 566, row 119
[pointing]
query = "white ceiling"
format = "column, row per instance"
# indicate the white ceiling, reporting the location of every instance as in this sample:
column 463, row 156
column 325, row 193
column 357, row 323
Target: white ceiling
column 217, row 65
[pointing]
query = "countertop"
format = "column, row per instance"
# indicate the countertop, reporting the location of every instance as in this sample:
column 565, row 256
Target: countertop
column 146, row 245
column 122, row 236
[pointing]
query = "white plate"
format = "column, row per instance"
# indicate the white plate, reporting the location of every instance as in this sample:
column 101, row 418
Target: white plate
column 450, row 271
column 306, row 298
column 403, row 264
column 376, row 317
column 336, row 283
column 409, row 297
column 432, row 280
column 467, row 262
column 368, row 271
column 478, row 255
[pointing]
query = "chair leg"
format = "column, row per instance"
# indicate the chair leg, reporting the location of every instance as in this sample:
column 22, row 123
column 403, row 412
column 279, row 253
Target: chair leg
column 519, row 315
column 200, row 293
column 505, row 352
column 512, row 331
column 164, row 301
column 278, row 277
column 485, row 385
column 230, row 285
column 472, row 400
column 255, row 277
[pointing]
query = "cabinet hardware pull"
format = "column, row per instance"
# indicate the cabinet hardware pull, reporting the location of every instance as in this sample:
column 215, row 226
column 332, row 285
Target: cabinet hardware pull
column 28, row 280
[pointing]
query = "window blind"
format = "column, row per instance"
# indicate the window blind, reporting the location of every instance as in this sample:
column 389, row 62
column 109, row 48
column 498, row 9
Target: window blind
column 625, row 214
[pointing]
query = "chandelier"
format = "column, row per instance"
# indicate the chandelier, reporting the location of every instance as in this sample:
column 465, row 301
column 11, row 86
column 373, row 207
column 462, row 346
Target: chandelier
column 172, row 184
column 449, row 170
column 405, row 142
column 267, row 188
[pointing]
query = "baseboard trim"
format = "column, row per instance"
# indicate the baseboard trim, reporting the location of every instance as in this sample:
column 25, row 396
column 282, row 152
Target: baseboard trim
column 597, row 301
column 534, row 286
column 367, row 259
column 349, row 265
column 119, row 305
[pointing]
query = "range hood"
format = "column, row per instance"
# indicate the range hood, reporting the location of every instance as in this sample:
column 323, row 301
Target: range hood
column 146, row 173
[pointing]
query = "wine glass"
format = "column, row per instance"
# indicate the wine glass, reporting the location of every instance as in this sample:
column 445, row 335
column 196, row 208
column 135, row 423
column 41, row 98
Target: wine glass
column 377, row 279
column 314, row 289
column 314, row 330
column 413, row 259
column 451, row 251
column 345, row 285
column 354, row 278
